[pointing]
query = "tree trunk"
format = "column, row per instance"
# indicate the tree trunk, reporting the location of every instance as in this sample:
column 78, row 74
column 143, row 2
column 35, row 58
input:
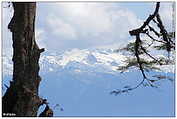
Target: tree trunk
column 21, row 98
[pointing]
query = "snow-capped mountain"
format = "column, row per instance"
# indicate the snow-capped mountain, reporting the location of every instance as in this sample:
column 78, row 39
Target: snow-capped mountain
column 84, row 78
column 76, row 60
column 82, row 65
column 89, row 66
column 79, row 61
column 83, row 61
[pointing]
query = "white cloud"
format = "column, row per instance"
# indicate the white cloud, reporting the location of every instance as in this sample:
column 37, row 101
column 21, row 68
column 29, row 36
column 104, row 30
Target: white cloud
column 87, row 24
column 61, row 28
column 89, row 16
column 40, row 37
column 167, row 13
column 82, row 25
column 7, row 13
column 85, row 18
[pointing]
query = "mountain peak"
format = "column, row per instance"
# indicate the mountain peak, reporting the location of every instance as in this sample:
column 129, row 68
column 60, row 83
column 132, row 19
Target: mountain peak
column 86, row 60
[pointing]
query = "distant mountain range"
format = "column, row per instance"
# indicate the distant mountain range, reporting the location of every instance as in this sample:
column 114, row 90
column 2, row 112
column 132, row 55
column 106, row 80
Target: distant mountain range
column 81, row 81
column 79, row 61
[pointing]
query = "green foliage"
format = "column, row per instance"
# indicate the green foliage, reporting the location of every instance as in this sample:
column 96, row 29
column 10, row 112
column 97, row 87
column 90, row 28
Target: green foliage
column 132, row 62
column 143, row 51
column 130, row 47
column 143, row 59
column 160, row 47
column 163, row 45
column 171, row 35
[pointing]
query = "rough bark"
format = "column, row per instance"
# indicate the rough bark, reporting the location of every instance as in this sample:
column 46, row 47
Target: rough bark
column 21, row 98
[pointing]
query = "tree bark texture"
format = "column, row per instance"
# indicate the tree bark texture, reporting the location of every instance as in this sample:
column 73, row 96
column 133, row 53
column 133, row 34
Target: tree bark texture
column 21, row 98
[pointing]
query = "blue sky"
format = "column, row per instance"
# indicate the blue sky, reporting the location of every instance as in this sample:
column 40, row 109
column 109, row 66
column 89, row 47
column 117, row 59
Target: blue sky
column 62, row 26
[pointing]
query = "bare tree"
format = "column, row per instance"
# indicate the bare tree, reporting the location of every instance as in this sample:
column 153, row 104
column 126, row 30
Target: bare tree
column 21, row 98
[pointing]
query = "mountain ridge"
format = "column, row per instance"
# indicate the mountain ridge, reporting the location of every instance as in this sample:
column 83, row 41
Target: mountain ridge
column 86, row 60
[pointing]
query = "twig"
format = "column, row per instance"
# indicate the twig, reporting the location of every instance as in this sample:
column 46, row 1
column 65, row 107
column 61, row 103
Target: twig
column 150, row 55
column 151, row 17
column 155, row 32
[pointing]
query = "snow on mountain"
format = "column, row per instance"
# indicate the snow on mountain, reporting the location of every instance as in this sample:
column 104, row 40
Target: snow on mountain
column 75, row 60
column 84, row 78
column 96, row 66
column 82, row 60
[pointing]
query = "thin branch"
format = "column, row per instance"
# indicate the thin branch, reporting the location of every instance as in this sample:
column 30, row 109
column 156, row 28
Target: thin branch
column 151, row 17
column 164, row 33
column 154, row 38
column 153, row 30
column 150, row 55
column 116, row 92
column 137, row 45
column 137, row 32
